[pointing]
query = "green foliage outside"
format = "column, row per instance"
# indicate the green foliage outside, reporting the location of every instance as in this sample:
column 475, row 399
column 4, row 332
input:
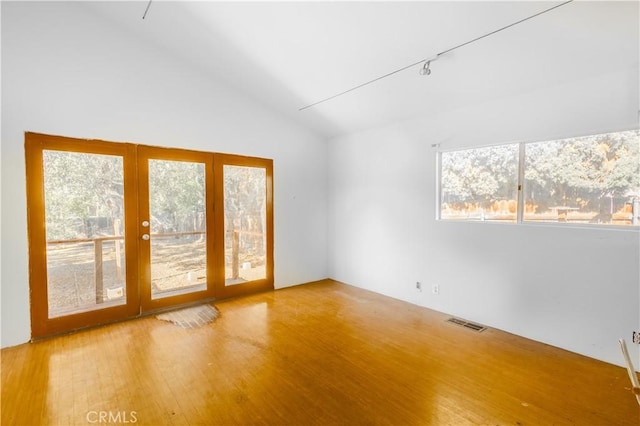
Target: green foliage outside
column 598, row 174
column 84, row 196
column 176, row 196
column 245, row 206
column 591, row 173
column 480, row 175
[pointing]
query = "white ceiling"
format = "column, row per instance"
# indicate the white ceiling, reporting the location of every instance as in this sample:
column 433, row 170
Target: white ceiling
column 290, row 54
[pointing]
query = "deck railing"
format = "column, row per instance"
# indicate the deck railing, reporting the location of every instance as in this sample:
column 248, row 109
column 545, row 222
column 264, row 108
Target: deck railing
column 98, row 243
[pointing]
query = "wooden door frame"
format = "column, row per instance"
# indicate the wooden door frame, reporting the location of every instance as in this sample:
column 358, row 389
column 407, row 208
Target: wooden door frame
column 41, row 324
column 220, row 160
column 136, row 304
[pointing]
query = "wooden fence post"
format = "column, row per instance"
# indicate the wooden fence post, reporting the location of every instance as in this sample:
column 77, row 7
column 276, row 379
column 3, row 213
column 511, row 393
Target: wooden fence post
column 235, row 249
column 97, row 260
column 116, row 243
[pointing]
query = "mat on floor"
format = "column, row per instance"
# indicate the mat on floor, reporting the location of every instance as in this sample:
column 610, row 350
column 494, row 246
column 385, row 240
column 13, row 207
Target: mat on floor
column 192, row 317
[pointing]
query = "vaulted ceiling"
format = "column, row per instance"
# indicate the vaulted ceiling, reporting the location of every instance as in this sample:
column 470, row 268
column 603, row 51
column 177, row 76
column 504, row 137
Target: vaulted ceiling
column 287, row 55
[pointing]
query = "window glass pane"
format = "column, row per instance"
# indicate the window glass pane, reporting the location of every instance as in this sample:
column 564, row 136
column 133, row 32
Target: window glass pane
column 480, row 184
column 245, row 216
column 178, row 227
column 84, row 217
column 591, row 179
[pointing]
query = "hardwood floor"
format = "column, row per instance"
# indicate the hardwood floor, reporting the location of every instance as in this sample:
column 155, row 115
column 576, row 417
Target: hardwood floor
column 323, row 353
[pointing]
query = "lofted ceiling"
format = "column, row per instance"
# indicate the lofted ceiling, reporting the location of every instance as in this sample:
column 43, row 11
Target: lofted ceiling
column 287, row 55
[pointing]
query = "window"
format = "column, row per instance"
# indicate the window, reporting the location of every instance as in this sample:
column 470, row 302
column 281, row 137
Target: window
column 592, row 179
column 480, row 184
column 584, row 180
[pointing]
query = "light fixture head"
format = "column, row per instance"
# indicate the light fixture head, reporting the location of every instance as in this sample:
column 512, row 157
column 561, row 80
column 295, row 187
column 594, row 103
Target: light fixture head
column 425, row 70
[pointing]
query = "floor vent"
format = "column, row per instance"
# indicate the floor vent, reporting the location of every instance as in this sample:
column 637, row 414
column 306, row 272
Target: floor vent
column 470, row 325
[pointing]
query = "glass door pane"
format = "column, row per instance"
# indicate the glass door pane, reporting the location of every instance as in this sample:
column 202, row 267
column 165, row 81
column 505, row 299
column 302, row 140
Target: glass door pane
column 244, row 187
column 84, row 227
column 175, row 226
column 178, row 227
column 245, row 216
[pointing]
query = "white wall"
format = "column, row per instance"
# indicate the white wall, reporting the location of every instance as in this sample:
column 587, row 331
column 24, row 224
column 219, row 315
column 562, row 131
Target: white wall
column 576, row 289
column 67, row 72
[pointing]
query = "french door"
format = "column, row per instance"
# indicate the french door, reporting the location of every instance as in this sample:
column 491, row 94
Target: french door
column 116, row 230
column 81, row 196
column 175, row 228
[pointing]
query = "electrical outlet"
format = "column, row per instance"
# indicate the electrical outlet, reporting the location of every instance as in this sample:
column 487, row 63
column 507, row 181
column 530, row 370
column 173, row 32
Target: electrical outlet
column 636, row 337
column 418, row 286
column 435, row 289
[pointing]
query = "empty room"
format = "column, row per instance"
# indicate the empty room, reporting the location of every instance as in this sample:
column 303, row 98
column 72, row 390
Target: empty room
column 331, row 212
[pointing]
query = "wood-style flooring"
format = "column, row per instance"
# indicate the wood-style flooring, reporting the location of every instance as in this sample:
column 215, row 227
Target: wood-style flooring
column 318, row 354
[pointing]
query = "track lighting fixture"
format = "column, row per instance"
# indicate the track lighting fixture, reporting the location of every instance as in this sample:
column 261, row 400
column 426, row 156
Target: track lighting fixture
column 426, row 63
column 426, row 66
column 425, row 70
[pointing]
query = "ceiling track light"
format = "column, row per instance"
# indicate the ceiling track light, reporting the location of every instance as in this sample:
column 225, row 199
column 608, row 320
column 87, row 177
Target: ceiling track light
column 425, row 70
column 426, row 63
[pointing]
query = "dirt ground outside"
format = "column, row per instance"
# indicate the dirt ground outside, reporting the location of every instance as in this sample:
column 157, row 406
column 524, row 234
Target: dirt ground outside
column 177, row 264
